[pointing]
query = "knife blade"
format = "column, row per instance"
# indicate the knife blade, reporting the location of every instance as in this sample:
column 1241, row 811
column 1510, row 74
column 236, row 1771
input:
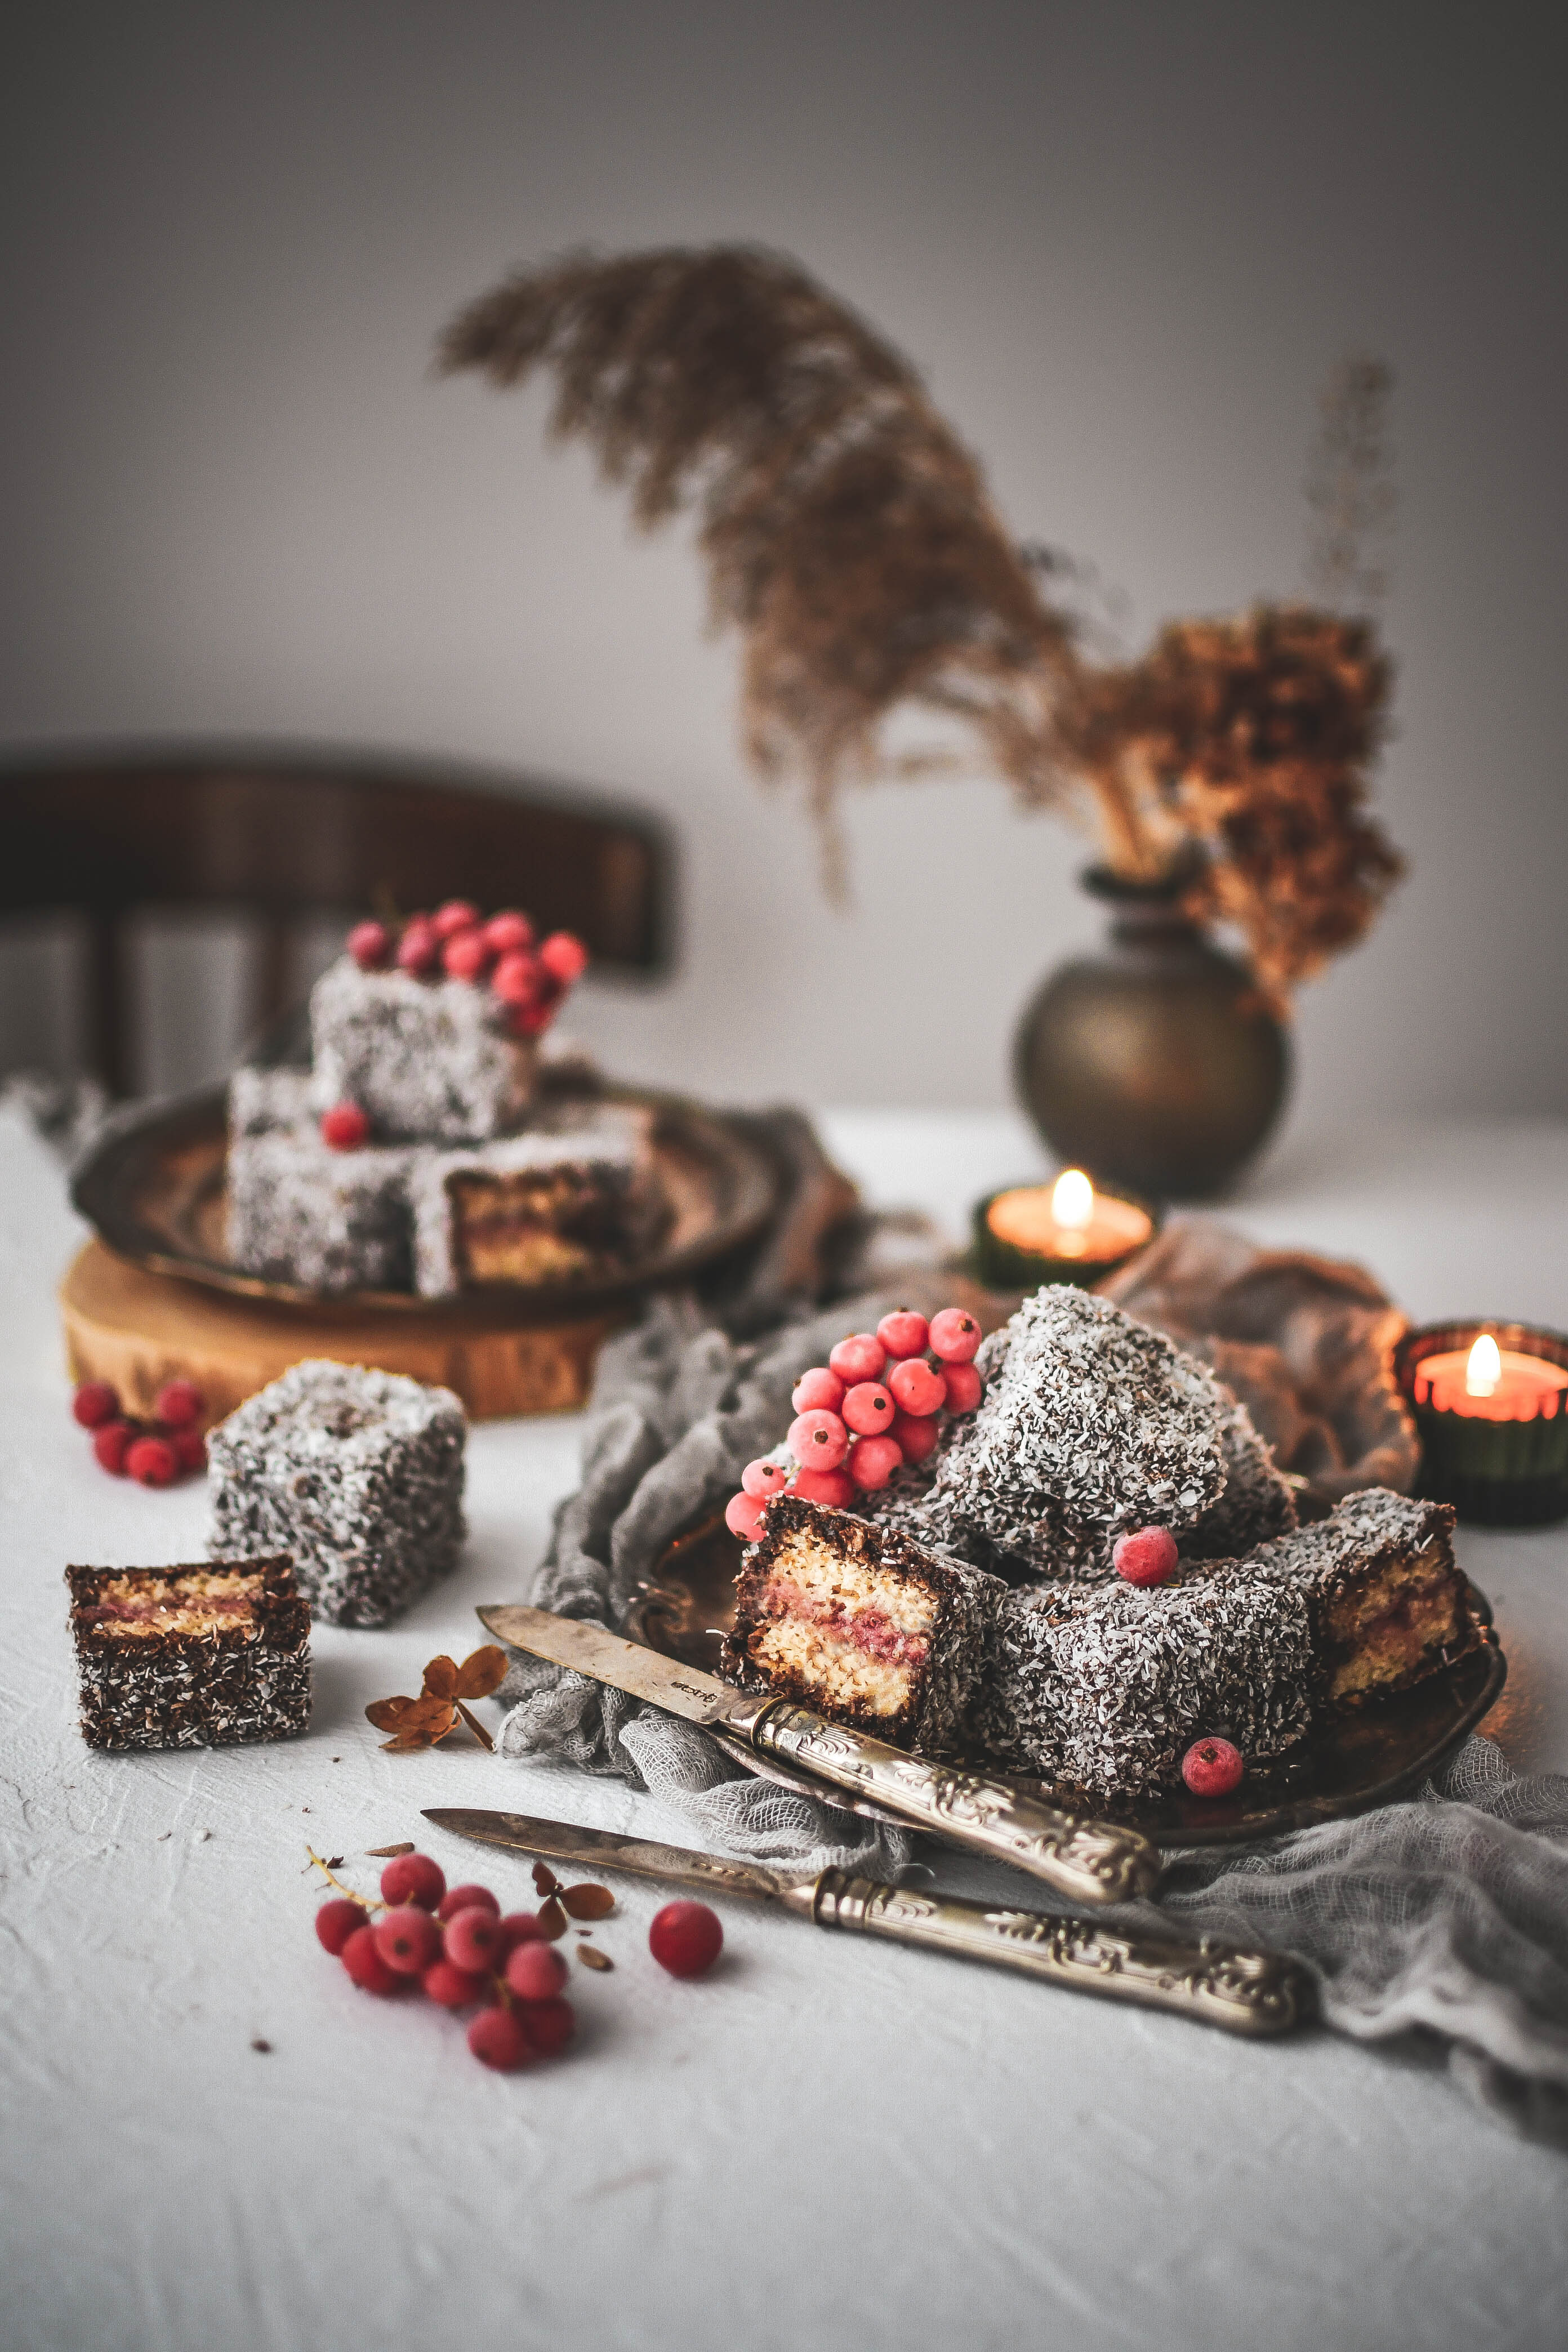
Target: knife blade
column 1088, row 1862
column 1256, row 1993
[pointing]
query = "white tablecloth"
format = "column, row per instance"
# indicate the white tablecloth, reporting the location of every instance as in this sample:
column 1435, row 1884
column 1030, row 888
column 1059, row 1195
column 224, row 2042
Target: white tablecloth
column 824, row 2143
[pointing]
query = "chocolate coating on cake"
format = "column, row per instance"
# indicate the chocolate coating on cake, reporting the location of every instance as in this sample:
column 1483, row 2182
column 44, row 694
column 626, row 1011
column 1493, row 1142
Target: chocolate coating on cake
column 1386, row 1600
column 204, row 1656
column 301, row 1212
column 431, row 1059
column 1258, row 1503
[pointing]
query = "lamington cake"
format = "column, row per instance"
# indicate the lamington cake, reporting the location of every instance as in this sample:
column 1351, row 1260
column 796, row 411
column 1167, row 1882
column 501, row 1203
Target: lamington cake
column 1387, row 1601
column 423, row 1058
column 197, row 1656
column 560, row 1204
column 358, row 1475
column 302, row 1213
column 863, row 1624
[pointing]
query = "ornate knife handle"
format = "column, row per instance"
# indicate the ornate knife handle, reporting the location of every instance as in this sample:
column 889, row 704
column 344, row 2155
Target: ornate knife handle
column 1088, row 1862
column 1256, row 1993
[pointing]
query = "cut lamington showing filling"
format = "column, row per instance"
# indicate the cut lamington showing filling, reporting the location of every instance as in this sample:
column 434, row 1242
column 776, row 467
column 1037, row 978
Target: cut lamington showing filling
column 200, row 1657
column 562, row 1206
column 862, row 1624
column 1388, row 1603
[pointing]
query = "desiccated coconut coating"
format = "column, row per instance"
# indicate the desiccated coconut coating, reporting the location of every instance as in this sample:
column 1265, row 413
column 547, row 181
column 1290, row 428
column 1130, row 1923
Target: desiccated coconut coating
column 423, row 1058
column 1257, row 1504
column 565, row 1202
column 260, row 1101
column 300, row 1211
column 200, row 1657
column 357, row 1473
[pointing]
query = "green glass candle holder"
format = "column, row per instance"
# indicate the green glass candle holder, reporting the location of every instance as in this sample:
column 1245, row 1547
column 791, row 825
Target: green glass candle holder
column 1500, row 1473
column 1004, row 1265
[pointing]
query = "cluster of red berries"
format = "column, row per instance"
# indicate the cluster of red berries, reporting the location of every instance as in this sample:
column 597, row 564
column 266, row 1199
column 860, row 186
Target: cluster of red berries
column 455, row 1945
column 528, row 977
column 155, row 1453
column 872, row 1407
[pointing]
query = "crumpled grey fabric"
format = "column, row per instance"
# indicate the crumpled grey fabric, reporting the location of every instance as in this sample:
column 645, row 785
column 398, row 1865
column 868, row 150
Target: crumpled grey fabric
column 678, row 1411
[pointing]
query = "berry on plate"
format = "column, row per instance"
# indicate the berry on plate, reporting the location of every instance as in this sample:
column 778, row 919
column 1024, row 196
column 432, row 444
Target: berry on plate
column 565, row 956
column 344, row 1127
column 113, row 1442
column 743, row 1516
column 915, row 1388
column 833, row 1488
column 1212, row 1767
column 370, row 944
column 763, row 1478
column 818, row 1439
column 903, row 1333
column 915, row 1436
column 859, row 1358
column 868, row 1409
column 818, row 1390
column 1145, row 1555
column 964, row 1387
column 955, row 1335
column 686, row 1939
column 152, row 1462
column 874, row 1461
column 177, row 1403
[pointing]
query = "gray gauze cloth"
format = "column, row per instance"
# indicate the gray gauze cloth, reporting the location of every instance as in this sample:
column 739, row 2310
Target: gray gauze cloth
column 1446, row 1915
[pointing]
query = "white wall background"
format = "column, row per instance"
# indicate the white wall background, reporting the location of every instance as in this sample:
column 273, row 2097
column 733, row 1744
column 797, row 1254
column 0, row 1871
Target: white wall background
column 1126, row 242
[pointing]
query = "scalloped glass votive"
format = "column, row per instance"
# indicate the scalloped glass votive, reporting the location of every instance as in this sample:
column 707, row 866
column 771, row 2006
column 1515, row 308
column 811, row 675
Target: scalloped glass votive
column 1503, row 1473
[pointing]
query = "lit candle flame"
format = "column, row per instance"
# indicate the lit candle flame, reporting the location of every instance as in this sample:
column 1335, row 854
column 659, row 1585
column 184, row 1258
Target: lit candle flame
column 1072, row 1201
column 1484, row 1369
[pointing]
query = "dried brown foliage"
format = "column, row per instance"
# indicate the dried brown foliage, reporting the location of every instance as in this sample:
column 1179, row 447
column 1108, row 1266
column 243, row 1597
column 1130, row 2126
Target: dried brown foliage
column 851, row 538
column 421, row 1722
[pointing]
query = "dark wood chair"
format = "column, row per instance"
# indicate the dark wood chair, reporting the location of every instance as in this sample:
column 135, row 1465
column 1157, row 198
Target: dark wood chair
column 281, row 837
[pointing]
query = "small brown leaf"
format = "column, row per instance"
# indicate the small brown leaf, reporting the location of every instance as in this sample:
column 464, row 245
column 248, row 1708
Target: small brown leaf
column 482, row 1671
column 591, row 1957
column 386, row 1852
column 588, row 1902
column 264, row 2046
column 334, row 1862
column 552, row 1921
column 545, row 1879
column 441, row 1677
column 475, row 1726
column 386, row 1714
column 407, row 1743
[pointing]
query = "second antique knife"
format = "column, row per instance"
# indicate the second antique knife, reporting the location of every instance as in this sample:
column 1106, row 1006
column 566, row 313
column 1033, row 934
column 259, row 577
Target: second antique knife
column 1086, row 1861
column 1251, row 1992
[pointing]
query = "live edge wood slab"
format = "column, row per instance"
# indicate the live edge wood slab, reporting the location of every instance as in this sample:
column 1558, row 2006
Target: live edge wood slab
column 138, row 1328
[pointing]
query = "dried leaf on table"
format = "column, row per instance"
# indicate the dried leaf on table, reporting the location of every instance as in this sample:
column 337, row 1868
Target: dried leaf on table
column 481, row 1671
column 545, row 1879
column 441, row 1677
column 552, row 1921
column 386, row 1852
column 587, row 1902
column 591, row 1957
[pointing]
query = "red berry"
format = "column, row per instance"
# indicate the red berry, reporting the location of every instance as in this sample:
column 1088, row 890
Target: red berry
column 549, row 2025
column 515, row 980
column 178, row 1403
column 111, row 1442
column 818, row 1390
column 859, row 1358
column 915, row 1436
column 474, row 1939
column 818, row 1439
column 94, row 1403
column 507, row 931
column 465, row 1898
column 370, row 944
column 743, row 1517
column 531, row 1020
column 413, row 1878
column 903, row 1333
column 915, row 1388
column 465, row 955
column 535, row 1971
column 874, row 1461
column 518, row 1928
column 451, row 1987
column 152, row 1462
column 833, row 1488
column 407, row 1939
column 868, row 1409
column 361, row 1958
column 964, row 1387
column 686, row 1939
column 565, row 956
column 457, row 915
column 955, row 1335
column 1212, row 1767
column 338, row 1920
column 764, row 1478
column 344, row 1127
column 190, row 1449
column 419, row 948
column 1145, row 1555
column 496, row 2037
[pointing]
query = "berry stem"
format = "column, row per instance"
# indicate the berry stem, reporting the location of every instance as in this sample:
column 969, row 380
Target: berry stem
column 362, row 1900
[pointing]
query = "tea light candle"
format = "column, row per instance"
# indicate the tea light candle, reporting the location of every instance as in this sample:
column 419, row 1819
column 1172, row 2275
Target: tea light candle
column 1490, row 1405
column 1485, row 1382
column 1065, row 1232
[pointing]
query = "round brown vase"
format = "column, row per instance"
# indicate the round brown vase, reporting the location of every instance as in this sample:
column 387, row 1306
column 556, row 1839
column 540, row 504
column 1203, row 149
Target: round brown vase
column 1153, row 1063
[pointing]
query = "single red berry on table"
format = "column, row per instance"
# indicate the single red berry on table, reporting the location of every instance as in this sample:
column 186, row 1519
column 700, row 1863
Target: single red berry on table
column 1145, row 1555
column 457, row 915
column 818, row 1390
column 507, row 931
column 498, row 2040
column 94, row 1403
column 686, row 1939
column 518, row 1928
column 818, row 1439
column 419, row 948
column 190, row 1449
column 832, row 1489
column 465, row 955
column 464, row 1898
column 177, row 1403
column 364, row 1962
column 955, row 1335
column 763, row 1478
column 152, row 1462
column 516, row 978
column 903, row 1333
column 1212, row 1767
column 549, row 2025
column 565, row 956
column 413, row 1878
column 473, row 1938
column 451, row 1987
column 915, row 1388
column 344, row 1127
column 535, row 1971
column 743, row 1516
column 915, row 1436
column 111, row 1443
column 370, row 944
column 868, row 1409
column 874, row 1461
column 407, row 1939
column 964, row 1387
column 859, row 1358
column 338, row 1920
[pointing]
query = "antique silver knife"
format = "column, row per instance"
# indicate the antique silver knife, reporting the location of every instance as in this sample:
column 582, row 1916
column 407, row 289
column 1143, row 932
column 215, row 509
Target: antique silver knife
column 1220, row 1984
column 1086, row 1861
